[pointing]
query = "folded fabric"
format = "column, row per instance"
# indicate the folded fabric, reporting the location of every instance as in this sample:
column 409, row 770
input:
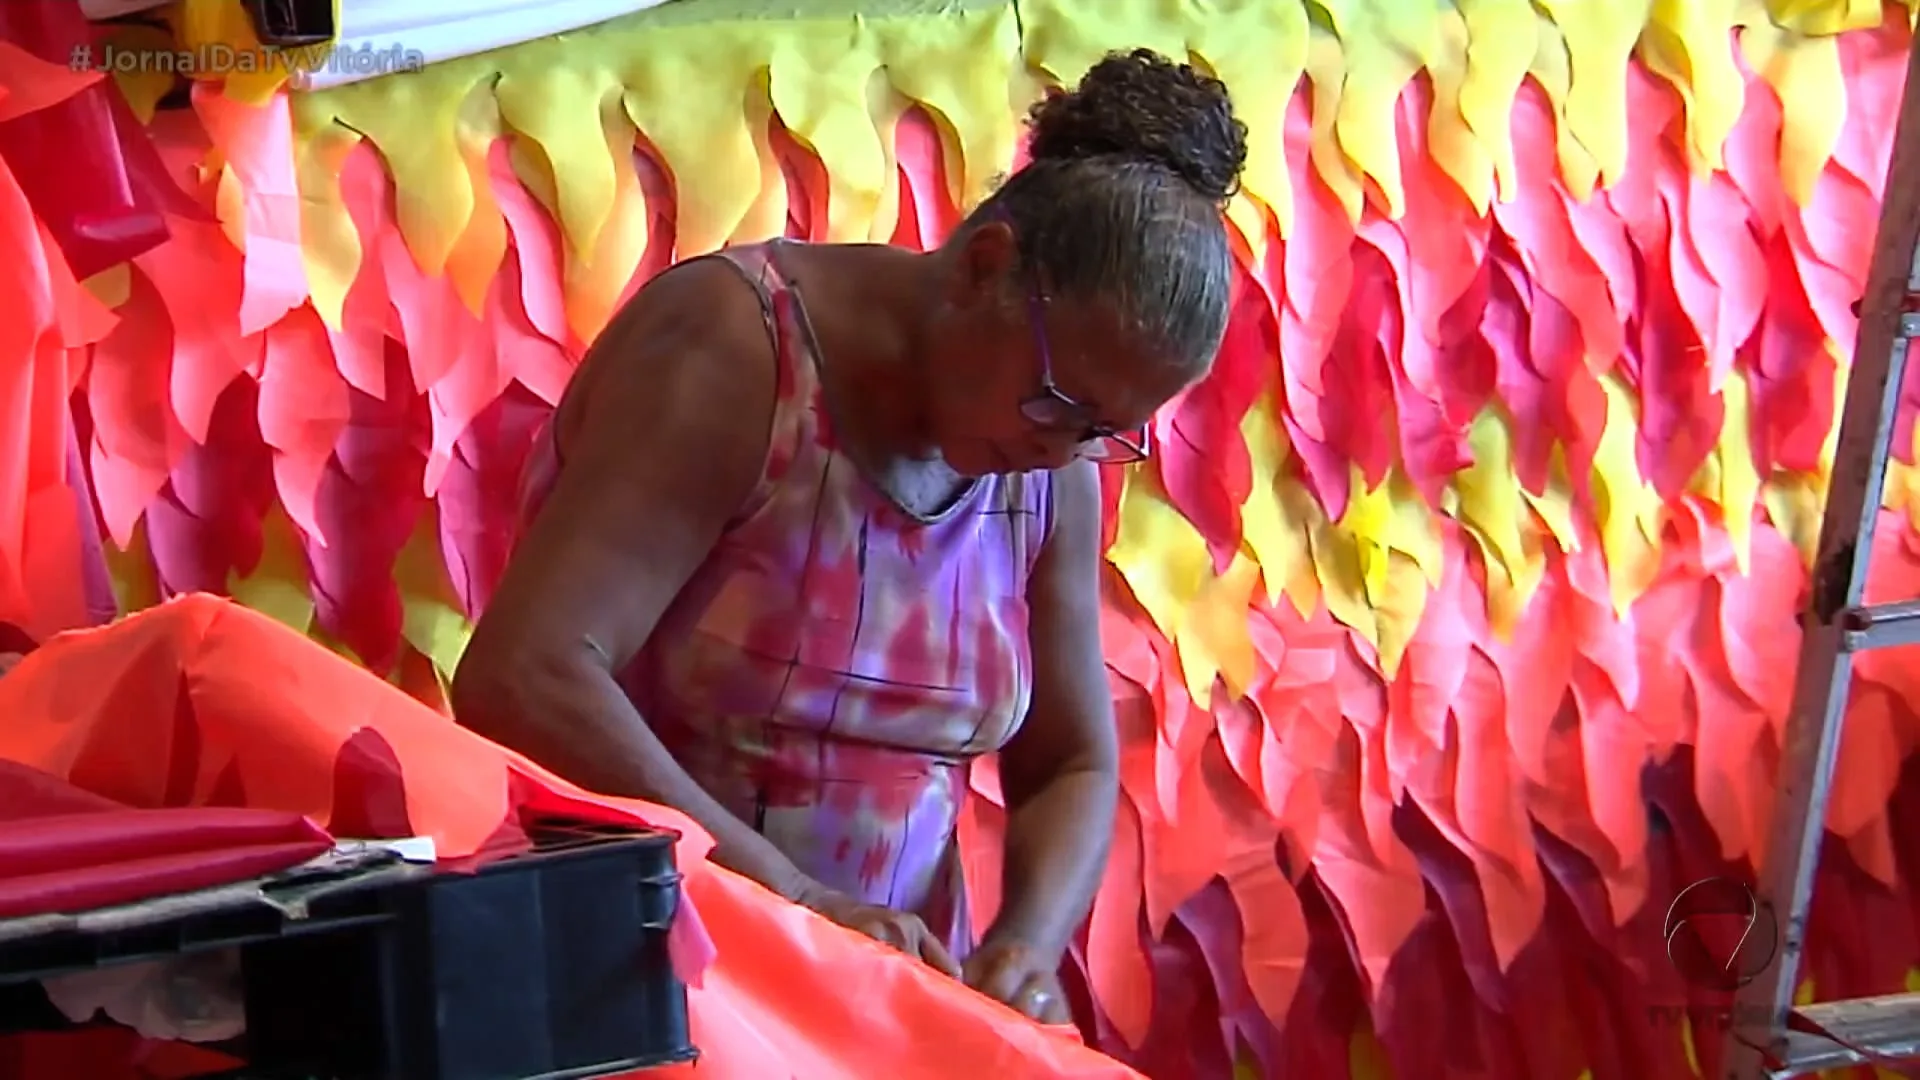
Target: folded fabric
column 63, row 850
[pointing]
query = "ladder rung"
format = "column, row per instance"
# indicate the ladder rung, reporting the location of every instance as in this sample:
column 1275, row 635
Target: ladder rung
column 1882, row 626
column 1888, row 1027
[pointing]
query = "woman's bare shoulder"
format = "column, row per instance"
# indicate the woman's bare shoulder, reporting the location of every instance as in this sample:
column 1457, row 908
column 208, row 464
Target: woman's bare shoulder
column 683, row 363
column 704, row 305
column 663, row 437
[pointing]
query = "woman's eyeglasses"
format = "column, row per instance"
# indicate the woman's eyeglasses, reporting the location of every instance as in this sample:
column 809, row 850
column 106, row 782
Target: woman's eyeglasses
column 1055, row 411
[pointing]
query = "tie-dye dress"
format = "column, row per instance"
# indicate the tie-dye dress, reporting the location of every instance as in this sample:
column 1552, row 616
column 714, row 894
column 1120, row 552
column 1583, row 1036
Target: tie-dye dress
column 835, row 663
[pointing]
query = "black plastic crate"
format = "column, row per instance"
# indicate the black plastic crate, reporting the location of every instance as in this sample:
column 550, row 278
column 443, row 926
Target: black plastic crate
column 549, row 964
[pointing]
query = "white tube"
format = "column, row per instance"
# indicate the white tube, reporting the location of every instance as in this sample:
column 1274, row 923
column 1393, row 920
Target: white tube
column 381, row 37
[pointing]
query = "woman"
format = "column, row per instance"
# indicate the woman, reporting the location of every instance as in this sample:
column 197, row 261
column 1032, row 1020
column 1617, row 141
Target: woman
column 818, row 524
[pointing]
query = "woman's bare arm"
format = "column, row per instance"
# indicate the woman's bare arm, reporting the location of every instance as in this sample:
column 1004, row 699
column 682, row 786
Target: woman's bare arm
column 1060, row 773
column 669, row 440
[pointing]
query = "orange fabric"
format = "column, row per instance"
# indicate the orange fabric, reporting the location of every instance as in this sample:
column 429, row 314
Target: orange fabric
column 200, row 701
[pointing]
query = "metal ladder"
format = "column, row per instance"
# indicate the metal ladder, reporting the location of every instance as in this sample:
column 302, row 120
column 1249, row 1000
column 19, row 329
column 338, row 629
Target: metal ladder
column 1870, row 1031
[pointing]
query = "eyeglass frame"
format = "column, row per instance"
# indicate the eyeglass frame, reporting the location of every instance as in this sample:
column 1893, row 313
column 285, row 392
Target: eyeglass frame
column 1118, row 448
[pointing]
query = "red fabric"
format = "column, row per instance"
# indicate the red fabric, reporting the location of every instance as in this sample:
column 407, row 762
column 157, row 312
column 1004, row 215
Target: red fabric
column 105, row 1053
column 15, row 640
column 96, row 581
column 85, row 163
column 27, row 793
column 65, row 850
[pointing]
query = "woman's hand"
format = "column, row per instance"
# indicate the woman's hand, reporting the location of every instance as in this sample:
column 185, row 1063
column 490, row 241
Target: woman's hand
column 896, row 928
column 1015, row 975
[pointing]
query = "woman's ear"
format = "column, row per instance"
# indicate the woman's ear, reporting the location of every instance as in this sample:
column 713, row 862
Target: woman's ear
column 985, row 258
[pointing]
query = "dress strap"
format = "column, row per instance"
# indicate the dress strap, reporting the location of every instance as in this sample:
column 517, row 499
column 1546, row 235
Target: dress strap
column 798, row 383
column 761, row 271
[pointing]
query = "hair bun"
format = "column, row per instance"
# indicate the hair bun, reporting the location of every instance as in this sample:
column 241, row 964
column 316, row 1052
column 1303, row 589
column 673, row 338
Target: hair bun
column 1142, row 107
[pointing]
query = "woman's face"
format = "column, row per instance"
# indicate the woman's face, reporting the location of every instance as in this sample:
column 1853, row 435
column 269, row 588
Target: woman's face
column 1022, row 382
